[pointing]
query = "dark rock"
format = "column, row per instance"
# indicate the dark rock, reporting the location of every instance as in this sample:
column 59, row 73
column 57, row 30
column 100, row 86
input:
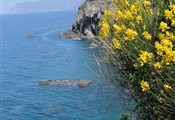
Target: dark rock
column 44, row 82
column 30, row 36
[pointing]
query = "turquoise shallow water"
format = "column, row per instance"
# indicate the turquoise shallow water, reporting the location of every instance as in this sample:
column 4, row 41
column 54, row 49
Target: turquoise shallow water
column 27, row 61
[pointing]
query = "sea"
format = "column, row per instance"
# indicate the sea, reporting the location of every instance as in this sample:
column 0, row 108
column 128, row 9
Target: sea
column 26, row 61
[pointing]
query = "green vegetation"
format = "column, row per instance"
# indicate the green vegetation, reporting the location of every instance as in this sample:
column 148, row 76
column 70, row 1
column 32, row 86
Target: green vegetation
column 139, row 40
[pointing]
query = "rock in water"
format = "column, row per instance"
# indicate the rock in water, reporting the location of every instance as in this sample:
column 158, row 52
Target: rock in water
column 45, row 82
column 81, row 83
column 84, row 83
column 30, row 36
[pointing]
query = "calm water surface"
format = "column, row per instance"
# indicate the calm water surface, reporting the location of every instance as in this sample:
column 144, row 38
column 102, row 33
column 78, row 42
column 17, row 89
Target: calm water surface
column 27, row 61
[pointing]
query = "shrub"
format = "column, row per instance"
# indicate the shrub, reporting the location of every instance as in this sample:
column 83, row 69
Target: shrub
column 139, row 40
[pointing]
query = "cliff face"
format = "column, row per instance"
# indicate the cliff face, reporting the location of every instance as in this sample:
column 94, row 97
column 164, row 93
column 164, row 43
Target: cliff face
column 86, row 22
column 89, row 14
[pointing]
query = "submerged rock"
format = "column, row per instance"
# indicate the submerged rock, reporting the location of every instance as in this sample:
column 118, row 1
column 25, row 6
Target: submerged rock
column 30, row 36
column 81, row 83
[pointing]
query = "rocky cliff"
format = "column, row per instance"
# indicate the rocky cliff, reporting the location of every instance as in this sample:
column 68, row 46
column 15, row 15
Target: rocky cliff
column 86, row 22
column 89, row 14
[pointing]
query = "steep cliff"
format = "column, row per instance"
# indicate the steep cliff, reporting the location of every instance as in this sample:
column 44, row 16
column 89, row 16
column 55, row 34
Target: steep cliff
column 86, row 22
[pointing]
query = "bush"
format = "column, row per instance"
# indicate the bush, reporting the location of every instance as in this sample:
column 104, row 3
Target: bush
column 139, row 38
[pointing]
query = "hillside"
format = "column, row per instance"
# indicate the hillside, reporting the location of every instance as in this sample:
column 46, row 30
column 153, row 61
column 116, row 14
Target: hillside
column 46, row 5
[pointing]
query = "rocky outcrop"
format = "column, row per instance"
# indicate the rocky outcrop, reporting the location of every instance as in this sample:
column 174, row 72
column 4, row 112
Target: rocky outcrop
column 89, row 14
column 81, row 83
column 71, row 34
column 86, row 22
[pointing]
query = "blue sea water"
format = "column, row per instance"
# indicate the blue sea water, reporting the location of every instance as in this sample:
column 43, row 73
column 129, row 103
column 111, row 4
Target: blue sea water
column 25, row 62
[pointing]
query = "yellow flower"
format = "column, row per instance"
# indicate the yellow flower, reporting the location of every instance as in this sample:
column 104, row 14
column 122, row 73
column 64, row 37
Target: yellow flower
column 173, row 22
column 167, row 43
column 123, row 27
column 165, row 49
column 128, row 15
column 126, row 3
column 170, row 35
column 147, row 35
column 108, row 13
column 107, row 16
column 133, row 10
column 116, row 43
column 172, row 7
column 166, row 86
column 159, row 48
column 150, row 11
column 161, row 36
column 146, row 3
column 168, row 57
column 164, row 26
column 119, row 15
column 168, row 14
column 173, row 56
column 158, row 65
column 144, row 57
column 105, row 29
column 144, row 85
column 117, row 29
column 139, row 19
column 130, row 34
